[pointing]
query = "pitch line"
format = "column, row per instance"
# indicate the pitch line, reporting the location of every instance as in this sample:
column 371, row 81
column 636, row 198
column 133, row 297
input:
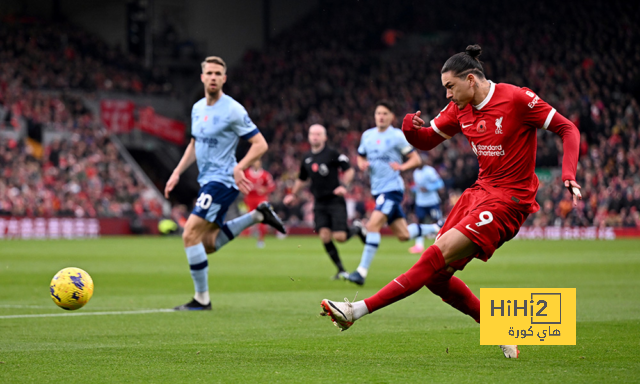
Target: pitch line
column 87, row 313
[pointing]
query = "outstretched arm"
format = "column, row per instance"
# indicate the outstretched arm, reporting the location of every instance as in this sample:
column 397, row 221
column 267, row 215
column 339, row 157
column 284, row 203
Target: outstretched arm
column 570, row 136
column 424, row 138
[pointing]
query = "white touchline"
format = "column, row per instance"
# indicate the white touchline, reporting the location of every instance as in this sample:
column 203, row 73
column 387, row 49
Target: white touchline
column 87, row 313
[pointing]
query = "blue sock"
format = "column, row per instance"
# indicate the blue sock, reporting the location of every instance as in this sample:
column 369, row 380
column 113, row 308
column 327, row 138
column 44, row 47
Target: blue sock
column 197, row 257
column 418, row 230
column 233, row 228
column 369, row 252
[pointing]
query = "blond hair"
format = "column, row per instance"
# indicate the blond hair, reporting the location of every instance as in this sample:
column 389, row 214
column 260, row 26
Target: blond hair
column 214, row 60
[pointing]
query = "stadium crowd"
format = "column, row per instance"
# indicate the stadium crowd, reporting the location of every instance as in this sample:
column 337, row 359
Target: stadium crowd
column 585, row 61
column 45, row 55
column 82, row 176
column 590, row 74
column 81, row 173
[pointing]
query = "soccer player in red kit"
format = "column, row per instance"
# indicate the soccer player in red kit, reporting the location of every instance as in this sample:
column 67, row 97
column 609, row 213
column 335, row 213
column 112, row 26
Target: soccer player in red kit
column 263, row 185
column 500, row 122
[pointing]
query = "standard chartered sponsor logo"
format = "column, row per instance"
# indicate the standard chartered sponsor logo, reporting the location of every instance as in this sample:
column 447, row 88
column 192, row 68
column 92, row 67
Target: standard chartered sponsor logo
column 487, row 150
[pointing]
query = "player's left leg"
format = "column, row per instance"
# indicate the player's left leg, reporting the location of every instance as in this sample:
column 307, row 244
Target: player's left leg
column 230, row 229
column 455, row 292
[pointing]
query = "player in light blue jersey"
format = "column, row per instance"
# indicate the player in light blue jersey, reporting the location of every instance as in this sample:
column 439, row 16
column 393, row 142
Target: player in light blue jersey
column 427, row 183
column 381, row 151
column 217, row 124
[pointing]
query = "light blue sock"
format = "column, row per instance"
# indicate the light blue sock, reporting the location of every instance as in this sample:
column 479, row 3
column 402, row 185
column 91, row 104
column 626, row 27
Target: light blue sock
column 369, row 252
column 418, row 230
column 197, row 257
column 234, row 227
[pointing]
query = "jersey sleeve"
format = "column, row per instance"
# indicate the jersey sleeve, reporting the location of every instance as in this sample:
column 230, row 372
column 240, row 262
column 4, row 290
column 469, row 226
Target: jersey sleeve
column 402, row 144
column 533, row 110
column 446, row 124
column 303, row 172
column 241, row 123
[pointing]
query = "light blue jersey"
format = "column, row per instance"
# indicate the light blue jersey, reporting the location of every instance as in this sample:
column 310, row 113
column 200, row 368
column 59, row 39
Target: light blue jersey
column 381, row 149
column 427, row 184
column 216, row 130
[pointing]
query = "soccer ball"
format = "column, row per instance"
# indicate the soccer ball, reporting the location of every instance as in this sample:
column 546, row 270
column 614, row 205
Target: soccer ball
column 71, row 288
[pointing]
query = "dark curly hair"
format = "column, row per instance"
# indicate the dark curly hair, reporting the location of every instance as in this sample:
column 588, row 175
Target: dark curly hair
column 464, row 63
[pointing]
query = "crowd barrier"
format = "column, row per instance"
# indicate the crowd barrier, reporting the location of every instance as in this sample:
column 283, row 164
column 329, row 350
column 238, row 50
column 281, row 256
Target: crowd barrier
column 72, row 228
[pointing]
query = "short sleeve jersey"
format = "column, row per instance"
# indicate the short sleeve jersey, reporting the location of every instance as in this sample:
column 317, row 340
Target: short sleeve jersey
column 216, row 130
column 323, row 170
column 502, row 133
column 381, row 149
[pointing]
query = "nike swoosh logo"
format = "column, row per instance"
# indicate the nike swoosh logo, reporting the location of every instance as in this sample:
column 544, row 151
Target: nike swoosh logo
column 465, row 126
column 472, row 230
column 336, row 308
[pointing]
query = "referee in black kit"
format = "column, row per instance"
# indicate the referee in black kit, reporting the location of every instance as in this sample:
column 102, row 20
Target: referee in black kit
column 322, row 165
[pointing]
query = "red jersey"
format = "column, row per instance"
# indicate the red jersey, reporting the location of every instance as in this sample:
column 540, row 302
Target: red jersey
column 502, row 133
column 262, row 182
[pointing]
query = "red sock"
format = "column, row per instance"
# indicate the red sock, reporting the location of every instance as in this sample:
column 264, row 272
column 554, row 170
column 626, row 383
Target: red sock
column 262, row 230
column 409, row 282
column 455, row 292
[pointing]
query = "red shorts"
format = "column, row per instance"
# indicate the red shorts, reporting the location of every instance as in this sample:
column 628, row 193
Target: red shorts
column 252, row 203
column 486, row 220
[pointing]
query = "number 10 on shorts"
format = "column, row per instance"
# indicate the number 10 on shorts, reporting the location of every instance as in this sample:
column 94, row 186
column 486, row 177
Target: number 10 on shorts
column 527, row 316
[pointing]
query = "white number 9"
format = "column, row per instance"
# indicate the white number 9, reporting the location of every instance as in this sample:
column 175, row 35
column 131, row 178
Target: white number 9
column 485, row 218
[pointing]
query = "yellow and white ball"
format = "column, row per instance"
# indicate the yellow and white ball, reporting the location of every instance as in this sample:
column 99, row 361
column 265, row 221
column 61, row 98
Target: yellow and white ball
column 71, row 288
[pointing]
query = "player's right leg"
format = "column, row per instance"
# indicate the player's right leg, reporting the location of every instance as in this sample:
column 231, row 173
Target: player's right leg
column 194, row 231
column 201, row 228
column 450, row 247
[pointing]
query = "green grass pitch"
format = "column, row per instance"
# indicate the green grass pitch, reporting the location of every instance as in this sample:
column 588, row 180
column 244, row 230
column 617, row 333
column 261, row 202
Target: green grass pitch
column 265, row 325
